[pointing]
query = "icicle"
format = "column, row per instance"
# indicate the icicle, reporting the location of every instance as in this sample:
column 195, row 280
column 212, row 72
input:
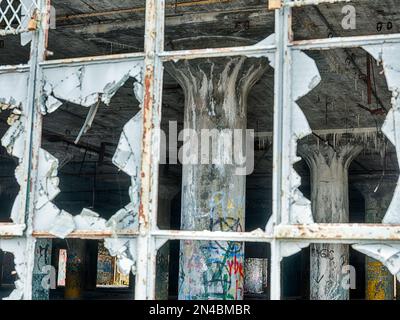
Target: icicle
column 335, row 142
column 356, row 82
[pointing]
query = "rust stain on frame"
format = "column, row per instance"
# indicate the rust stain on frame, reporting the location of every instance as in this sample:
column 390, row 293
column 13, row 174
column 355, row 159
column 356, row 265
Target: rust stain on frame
column 147, row 132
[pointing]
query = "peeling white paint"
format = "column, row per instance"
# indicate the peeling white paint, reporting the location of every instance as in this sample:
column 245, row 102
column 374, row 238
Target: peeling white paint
column 89, row 220
column 63, row 225
column 87, row 85
column 125, row 251
column 388, row 254
column 305, row 77
column 127, row 157
column 290, row 248
column 269, row 41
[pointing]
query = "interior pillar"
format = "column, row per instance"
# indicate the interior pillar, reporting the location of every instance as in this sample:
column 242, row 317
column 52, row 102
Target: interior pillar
column 330, row 204
column 1, row 267
column 43, row 277
column 92, row 248
column 213, row 195
column 75, row 275
column 379, row 280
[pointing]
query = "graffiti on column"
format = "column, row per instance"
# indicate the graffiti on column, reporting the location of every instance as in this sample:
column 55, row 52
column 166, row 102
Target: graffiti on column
column 221, row 262
column 378, row 278
column 327, row 276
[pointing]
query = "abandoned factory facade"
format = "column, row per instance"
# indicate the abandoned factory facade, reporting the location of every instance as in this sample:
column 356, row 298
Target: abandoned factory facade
column 199, row 149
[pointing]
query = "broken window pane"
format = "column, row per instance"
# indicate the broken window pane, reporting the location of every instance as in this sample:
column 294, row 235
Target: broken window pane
column 92, row 187
column 86, row 139
column 346, row 112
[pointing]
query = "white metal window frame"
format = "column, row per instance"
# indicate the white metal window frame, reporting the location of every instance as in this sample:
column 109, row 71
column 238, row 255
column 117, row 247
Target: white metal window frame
column 149, row 238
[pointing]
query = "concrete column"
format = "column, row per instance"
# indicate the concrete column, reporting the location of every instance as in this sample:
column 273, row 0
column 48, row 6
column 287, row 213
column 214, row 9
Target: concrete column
column 92, row 249
column 75, row 278
column 397, row 290
column 44, row 276
column 378, row 280
column 330, row 204
column 213, row 196
column 1, row 267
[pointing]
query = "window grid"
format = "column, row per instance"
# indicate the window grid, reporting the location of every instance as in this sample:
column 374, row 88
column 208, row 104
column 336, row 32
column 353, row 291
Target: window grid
column 15, row 16
column 149, row 239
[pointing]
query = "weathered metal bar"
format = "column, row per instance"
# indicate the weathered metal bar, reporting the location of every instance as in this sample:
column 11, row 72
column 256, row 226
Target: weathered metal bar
column 112, row 58
column 14, row 68
column 331, row 232
column 302, row 3
column 34, row 134
column 146, row 245
column 315, row 44
column 217, row 52
column 11, row 230
column 282, row 138
column 325, row 233
column 255, row 236
column 91, row 235
column 172, row 20
column 139, row 9
column 344, row 42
